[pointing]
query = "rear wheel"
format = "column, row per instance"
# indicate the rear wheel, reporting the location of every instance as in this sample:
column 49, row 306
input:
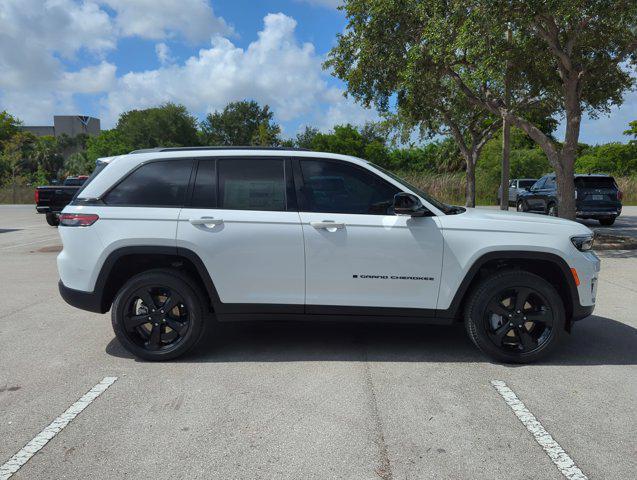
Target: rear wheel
column 606, row 221
column 515, row 317
column 521, row 207
column 159, row 315
column 52, row 219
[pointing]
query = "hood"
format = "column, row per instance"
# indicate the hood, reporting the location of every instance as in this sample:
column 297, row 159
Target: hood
column 488, row 218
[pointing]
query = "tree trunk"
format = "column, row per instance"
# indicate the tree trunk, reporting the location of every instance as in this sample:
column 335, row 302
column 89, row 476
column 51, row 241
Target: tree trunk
column 506, row 150
column 470, row 192
column 565, row 176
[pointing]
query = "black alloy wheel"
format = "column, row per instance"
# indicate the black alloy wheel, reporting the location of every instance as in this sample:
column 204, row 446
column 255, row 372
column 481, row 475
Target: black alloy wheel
column 521, row 207
column 515, row 316
column 157, row 318
column 518, row 319
column 159, row 314
column 552, row 210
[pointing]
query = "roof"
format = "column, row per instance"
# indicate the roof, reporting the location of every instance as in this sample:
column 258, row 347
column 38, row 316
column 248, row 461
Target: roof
column 185, row 149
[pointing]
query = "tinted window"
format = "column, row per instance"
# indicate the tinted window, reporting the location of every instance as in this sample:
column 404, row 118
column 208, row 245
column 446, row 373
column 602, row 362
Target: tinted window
column 595, row 182
column 525, row 183
column 154, row 184
column 204, row 193
column 257, row 184
column 540, row 183
column 550, row 182
column 335, row 187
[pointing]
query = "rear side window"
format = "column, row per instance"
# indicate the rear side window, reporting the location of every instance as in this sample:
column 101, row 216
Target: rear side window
column 595, row 182
column 525, row 183
column 156, row 184
column 251, row 184
column 550, row 182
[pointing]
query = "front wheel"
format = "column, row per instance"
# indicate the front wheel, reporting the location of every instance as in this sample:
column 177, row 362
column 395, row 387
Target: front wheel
column 515, row 317
column 521, row 207
column 551, row 210
column 159, row 315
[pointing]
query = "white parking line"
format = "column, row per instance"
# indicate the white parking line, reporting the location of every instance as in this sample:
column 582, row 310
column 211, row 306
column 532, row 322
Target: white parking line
column 41, row 439
column 556, row 453
column 16, row 245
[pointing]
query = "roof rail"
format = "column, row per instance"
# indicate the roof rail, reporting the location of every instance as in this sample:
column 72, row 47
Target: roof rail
column 185, row 149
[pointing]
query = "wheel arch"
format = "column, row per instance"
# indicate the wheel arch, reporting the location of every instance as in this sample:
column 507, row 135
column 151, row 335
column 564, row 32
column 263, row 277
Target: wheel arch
column 548, row 265
column 125, row 262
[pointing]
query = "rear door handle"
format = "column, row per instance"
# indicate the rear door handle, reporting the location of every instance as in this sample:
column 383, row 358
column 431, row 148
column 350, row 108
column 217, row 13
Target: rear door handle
column 207, row 221
column 327, row 225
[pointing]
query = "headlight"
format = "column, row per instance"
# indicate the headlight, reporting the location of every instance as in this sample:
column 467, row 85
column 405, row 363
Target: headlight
column 583, row 242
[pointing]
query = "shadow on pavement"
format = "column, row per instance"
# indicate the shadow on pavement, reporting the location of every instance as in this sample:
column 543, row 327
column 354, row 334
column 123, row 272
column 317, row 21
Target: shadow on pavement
column 594, row 341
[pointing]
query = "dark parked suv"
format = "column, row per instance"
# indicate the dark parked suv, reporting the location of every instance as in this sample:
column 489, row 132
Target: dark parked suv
column 596, row 196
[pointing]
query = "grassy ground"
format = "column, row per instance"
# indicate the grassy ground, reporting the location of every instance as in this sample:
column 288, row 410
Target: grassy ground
column 448, row 187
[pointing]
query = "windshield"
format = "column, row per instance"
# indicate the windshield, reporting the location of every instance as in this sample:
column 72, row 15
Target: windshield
column 443, row 207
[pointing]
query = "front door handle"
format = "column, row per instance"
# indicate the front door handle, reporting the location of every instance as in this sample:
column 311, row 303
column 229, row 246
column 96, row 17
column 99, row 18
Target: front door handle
column 327, row 225
column 207, row 221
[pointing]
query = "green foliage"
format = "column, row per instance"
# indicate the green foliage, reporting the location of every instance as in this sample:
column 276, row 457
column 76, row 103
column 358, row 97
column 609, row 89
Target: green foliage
column 168, row 125
column 9, row 126
column 107, row 144
column 612, row 158
column 632, row 131
column 78, row 163
column 241, row 124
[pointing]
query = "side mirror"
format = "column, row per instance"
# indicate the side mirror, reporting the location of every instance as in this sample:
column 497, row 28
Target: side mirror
column 408, row 204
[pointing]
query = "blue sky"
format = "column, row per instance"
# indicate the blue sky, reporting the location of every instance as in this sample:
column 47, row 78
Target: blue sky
column 103, row 57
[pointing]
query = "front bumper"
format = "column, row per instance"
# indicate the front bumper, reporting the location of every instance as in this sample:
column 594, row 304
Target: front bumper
column 89, row 301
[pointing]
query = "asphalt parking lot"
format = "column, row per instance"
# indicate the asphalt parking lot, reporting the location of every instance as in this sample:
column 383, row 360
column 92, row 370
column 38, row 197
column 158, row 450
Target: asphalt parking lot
column 303, row 400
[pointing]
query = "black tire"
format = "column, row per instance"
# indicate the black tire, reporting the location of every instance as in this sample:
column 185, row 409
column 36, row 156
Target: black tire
column 521, row 206
column 52, row 219
column 154, row 333
column 551, row 209
column 606, row 221
column 509, row 336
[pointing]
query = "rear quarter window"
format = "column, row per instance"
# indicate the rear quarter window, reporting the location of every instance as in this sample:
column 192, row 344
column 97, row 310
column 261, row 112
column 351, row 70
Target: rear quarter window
column 155, row 184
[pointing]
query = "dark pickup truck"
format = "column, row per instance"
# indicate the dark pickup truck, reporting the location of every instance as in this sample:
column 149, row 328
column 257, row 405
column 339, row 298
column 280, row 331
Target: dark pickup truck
column 596, row 196
column 51, row 199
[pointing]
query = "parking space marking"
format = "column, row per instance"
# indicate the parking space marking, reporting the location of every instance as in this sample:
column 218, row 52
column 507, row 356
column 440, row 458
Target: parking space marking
column 560, row 458
column 15, row 245
column 41, row 439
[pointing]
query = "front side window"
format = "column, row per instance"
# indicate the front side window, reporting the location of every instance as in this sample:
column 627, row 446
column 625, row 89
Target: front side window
column 155, row 184
column 251, row 184
column 335, row 187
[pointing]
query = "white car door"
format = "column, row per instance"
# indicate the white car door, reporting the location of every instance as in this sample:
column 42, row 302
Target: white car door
column 357, row 252
column 241, row 224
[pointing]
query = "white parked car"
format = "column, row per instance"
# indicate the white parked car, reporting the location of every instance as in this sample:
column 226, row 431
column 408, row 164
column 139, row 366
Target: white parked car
column 173, row 240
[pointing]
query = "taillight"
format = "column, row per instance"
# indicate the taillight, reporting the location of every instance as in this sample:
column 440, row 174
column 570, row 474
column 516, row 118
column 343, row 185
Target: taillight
column 620, row 195
column 37, row 196
column 78, row 219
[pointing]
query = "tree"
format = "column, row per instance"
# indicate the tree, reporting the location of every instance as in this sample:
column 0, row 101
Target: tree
column 568, row 57
column 107, row 144
column 9, row 126
column 348, row 140
column 168, row 125
column 305, row 138
column 78, row 163
column 373, row 58
column 241, row 124
column 632, row 131
column 47, row 156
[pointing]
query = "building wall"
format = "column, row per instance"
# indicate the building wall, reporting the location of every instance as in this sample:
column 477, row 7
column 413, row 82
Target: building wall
column 70, row 125
column 40, row 131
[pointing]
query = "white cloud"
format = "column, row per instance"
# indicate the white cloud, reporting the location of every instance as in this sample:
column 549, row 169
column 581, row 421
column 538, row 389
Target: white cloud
column 160, row 19
column 91, row 79
column 275, row 69
column 163, row 53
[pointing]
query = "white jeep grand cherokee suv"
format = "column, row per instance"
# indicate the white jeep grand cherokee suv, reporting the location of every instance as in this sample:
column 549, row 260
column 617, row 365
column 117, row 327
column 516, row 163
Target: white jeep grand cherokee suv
column 173, row 239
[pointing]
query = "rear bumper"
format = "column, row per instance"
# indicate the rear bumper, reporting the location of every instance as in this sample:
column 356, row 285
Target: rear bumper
column 598, row 212
column 43, row 209
column 89, row 301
